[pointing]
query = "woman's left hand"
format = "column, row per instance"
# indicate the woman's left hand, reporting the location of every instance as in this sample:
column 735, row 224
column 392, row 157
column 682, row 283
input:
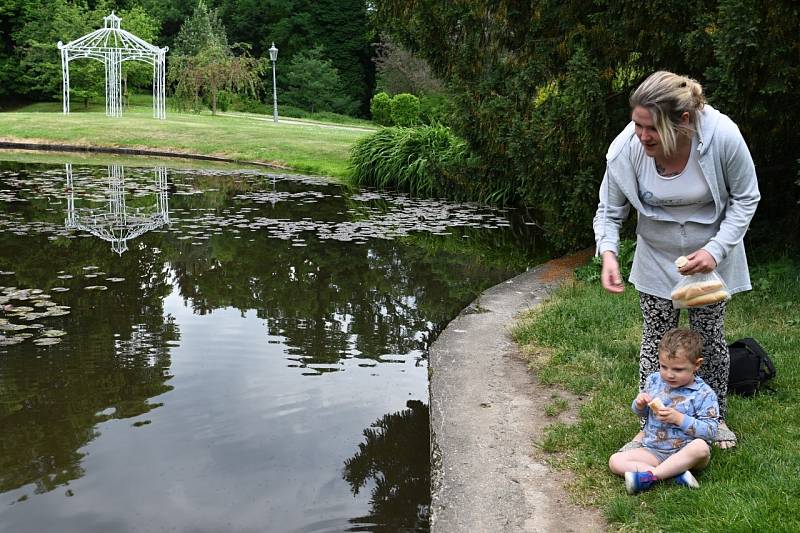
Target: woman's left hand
column 700, row 262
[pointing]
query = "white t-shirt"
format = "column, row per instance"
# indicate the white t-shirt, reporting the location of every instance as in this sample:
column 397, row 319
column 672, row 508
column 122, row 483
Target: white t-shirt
column 681, row 195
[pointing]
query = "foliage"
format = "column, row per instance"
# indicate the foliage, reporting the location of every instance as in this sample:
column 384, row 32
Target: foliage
column 405, row 109
column 400, row 71
column 434, row 108
column 39, row 59
column 136, row 74
column 539, row 90
column 591, row 271
column 424, row 161
column 381, row 109
column 338, row 27
column 205, row 65
column 313, row 83
column 201, row 30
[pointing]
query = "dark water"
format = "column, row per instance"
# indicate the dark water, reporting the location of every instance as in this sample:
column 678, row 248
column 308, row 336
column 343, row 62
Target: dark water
column 215, row 351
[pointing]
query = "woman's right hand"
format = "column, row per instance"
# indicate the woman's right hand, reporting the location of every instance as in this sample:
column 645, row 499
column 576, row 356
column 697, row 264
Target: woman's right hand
column 609, row 274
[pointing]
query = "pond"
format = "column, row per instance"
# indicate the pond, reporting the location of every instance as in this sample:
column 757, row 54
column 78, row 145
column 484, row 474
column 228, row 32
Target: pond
column 225, row 349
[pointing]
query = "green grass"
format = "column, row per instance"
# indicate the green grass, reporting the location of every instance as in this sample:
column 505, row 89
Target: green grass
column 307, row 148
column 592, row 342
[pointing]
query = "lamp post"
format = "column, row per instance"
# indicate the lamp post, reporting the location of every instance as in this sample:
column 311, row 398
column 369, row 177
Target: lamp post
column 273, row 55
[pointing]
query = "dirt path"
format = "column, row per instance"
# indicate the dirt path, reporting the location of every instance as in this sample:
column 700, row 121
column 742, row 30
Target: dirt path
column 487, row 410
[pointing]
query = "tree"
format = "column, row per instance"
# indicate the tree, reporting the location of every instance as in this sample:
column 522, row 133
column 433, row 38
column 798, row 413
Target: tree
column 214, row 69
column 400, row 71
column 540, row 89
column 201, row 29
column 205, row 64
column 312, row 82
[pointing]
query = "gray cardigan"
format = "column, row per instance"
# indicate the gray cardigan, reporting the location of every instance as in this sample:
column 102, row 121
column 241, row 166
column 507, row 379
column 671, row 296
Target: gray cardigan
column 727, row 167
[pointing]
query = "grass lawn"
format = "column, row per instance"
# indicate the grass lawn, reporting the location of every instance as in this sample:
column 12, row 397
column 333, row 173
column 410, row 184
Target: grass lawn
column 588, row 342
column 307, row 148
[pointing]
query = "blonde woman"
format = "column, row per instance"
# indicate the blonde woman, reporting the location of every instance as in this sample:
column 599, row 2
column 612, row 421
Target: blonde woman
column 686, row 170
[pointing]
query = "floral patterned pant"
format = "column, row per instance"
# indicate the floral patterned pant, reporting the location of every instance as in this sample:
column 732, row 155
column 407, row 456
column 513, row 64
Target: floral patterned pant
column 659, row 317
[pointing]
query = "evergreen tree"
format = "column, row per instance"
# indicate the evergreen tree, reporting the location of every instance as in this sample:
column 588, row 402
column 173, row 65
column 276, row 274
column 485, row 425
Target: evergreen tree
column 313, row 83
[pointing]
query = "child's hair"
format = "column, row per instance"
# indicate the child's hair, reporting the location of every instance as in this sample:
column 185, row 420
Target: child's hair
column 681, row 340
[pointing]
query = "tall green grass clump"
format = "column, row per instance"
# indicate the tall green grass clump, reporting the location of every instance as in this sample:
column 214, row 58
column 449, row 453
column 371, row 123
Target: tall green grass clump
column 425, row 161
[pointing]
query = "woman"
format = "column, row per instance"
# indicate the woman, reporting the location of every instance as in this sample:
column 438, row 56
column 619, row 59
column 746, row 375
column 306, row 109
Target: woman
column 686, row 170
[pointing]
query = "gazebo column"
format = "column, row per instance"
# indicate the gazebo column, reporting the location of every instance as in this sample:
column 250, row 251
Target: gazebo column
column 113, row 64
column 159, row 84
column 65, row 80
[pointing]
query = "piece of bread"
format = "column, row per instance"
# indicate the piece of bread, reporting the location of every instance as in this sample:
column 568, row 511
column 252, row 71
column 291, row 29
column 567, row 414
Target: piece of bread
column 656, row 404
column 706, row 299
column 681, row 261
column 693, row 290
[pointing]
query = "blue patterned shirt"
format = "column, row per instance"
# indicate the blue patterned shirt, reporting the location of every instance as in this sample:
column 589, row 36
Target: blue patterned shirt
column 698, row 403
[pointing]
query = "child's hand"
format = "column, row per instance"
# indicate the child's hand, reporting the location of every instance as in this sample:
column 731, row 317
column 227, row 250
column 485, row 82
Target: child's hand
column 669, row 416
column 642, row 399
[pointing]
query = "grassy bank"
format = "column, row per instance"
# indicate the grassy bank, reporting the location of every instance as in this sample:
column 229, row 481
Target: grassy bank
column 306, row 148
column 588, row 342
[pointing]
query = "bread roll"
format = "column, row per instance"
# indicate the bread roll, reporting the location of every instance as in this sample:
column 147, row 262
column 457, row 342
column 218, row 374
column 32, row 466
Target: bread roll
column 706, row 299
column 681, row 261
column 693, row 290
column 656, row 404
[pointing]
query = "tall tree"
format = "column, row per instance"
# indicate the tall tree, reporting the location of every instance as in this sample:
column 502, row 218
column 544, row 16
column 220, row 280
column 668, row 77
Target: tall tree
column 541, row 87
column 313, row 83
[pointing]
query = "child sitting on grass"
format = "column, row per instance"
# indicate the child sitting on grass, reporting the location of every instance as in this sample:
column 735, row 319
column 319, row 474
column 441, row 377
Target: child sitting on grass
column 676, row 434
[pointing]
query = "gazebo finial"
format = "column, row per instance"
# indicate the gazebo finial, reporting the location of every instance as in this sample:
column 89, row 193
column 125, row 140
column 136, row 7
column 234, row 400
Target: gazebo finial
column 111, row 21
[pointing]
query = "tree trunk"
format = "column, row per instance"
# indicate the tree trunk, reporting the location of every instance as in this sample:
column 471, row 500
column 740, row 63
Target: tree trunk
column 213, row 102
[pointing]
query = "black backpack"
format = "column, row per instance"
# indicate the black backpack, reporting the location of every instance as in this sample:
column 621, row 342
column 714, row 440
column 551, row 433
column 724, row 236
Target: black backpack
column 751, row 367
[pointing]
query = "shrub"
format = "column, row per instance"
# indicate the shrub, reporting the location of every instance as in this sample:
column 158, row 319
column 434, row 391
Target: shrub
column 434, row 108
column 381, row 109
column 424, row 161
column 405, row 109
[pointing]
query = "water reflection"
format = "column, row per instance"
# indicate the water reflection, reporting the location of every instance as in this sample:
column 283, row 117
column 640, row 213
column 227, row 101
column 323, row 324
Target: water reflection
column 234, row 356
column 115, row 222
column 392, row 459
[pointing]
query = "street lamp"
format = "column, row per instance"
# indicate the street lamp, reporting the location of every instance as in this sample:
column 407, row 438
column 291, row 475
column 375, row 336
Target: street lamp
column 273, row 55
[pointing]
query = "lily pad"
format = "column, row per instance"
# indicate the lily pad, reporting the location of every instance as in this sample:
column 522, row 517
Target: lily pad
column 96, row 288
column 53, row 333
column 47, row 341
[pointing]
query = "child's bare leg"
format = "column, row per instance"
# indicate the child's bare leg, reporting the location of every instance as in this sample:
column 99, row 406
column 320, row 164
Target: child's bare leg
column 696, row 454
column 636, row 460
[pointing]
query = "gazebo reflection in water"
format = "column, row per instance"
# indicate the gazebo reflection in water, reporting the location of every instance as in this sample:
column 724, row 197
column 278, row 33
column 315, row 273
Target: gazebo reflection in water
column 115, row 222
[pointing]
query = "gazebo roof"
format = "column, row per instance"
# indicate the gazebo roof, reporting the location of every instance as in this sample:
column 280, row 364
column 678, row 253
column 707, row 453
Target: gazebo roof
column 111, row 37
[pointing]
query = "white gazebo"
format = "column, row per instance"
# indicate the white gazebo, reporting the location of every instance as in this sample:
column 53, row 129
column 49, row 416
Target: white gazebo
column 113, row 45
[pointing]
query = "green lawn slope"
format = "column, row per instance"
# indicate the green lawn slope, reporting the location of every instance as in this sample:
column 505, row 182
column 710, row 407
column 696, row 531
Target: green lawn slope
column 306, row 147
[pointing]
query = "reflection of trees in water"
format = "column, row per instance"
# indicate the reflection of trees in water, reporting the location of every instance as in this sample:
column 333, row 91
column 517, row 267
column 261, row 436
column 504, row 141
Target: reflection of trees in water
column 114, row 359
column 395, row 457
column 331, row 299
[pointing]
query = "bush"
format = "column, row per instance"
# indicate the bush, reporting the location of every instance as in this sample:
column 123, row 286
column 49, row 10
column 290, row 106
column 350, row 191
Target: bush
column 405, row 109
column 425, row 161
column 434, row 108
column 381, row 109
